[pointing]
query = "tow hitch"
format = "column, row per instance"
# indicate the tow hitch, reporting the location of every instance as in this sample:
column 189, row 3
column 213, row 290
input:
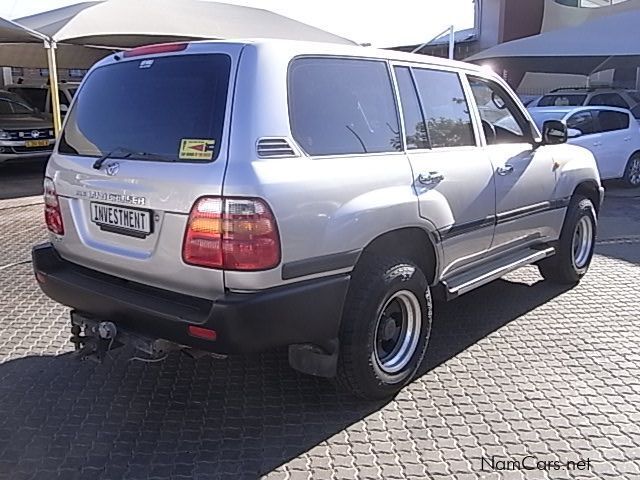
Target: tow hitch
column 94, row 339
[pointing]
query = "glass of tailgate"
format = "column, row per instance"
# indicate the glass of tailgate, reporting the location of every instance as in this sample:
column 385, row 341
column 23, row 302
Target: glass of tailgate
column 169, row 108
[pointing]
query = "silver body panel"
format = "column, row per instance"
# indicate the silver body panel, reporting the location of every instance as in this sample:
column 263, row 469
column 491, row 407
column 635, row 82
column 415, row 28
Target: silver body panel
column 323, row 205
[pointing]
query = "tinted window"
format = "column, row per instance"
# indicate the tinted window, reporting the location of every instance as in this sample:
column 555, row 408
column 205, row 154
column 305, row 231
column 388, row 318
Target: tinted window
column 610, row 121
column 341, row 106
column 12, row 104
column 151, row 106
column 502, row 120
column 445, row 108
column 36, row 97
column 582, row 121
column 562, row 100
column 411, row 112
column 609, row 100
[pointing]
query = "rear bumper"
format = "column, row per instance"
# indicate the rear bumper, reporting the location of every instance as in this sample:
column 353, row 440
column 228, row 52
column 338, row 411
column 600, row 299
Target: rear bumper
column 304, row 312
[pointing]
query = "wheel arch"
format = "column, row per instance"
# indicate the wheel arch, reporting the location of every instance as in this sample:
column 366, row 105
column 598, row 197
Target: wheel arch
column 591, row 190
column 414, row 243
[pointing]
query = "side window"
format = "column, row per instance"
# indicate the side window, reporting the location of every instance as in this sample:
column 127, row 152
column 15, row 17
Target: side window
column 582, row 121
column 608, row 100
column 502, row 120
column 610, row 121
column 342, row 106
column 63, row 98
column 445, row 108
column 411, row 112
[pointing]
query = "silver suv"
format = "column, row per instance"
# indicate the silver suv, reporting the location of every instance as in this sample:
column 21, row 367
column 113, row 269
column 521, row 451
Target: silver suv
column 234, row 197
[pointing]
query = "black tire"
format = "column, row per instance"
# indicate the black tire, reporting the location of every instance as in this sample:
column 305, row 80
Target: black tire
column 631, row 176
column 564, row 267
column 377, row 282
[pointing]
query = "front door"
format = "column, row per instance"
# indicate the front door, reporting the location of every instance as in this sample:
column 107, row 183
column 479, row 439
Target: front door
column 524, row 173
column 453, row 177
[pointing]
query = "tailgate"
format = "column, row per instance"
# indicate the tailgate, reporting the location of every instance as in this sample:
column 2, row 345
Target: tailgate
column 145, row 138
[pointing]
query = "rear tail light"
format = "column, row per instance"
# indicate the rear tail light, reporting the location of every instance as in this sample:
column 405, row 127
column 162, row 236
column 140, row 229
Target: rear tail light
column 154, row 49
column 52, row 213
column 233, row 234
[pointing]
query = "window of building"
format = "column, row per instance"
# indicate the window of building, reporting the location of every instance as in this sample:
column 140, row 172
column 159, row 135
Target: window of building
column 44, row 72
column 416, row 131
column 17, row 71
column 342, row 106
column 445, row 108
column 77, row 73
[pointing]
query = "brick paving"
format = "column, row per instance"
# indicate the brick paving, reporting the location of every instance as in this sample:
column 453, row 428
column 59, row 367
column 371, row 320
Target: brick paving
column 519, row 370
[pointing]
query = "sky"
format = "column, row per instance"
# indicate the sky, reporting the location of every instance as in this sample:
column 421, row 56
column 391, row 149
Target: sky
column 382, row 23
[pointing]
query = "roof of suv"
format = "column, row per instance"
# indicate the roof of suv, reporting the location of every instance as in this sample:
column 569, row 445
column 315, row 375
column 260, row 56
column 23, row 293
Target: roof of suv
column 298, row 47
column 568, row 109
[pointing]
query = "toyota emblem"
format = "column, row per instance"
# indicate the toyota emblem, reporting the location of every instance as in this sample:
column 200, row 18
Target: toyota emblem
column 112, row 169
column 35, row 134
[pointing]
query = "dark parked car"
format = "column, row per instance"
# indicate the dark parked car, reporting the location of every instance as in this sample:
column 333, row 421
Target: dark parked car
column 24, row 131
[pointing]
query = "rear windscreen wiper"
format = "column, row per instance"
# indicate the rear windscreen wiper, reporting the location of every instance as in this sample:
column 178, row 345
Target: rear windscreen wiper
column 129, row 153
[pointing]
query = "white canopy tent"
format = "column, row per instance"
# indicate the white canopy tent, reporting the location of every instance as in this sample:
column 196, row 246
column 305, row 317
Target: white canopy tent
column 81, row 32
column 596, row 45
column 12, row 34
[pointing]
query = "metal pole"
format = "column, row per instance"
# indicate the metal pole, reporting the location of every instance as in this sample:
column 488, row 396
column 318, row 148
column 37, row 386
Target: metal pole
column 53, row 85
column 452, row 42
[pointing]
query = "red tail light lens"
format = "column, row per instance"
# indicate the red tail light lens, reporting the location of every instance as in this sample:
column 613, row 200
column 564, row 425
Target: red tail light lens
column 52, row 213
column 153, row 49
column 233, row 234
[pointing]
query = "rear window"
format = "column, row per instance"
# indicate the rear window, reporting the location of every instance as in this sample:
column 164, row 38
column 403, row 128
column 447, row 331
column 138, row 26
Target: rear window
column 171, row 107
column 562, row 100
column 342, row 106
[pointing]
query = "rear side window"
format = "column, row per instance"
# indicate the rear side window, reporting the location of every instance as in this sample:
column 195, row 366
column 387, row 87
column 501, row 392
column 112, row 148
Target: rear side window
column 445, row 108
column 342, row 106
column 608, row 100
column 412, row 114
column 171, row 107
column 610, row 121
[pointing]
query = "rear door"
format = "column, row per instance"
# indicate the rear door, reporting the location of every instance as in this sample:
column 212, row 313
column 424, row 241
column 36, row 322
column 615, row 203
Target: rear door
column 146, row 137
column 453, row 177
column 615, row 142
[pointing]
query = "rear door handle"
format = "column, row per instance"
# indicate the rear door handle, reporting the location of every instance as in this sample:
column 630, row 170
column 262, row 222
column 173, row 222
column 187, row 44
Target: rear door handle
column 597, row 144
column 430, row 178
column 505, row 169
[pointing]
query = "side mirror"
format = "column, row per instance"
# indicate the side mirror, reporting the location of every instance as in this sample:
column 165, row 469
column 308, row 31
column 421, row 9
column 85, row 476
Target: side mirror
column 64, row 109
column 574, row 133
column 554, row 132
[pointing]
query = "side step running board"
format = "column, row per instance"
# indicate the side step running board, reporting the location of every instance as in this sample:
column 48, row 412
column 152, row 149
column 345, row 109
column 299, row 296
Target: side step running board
column 478, row 276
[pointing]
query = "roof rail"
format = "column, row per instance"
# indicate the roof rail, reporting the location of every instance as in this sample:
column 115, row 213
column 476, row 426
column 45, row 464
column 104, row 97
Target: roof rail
column 592, row 88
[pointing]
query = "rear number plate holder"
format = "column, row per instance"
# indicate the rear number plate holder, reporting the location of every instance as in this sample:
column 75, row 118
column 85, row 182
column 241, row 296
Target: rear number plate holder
column 133, row 222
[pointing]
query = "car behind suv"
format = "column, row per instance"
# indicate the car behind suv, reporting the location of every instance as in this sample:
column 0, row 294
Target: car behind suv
column 24, row 132
column 233, row 197
column 611, row 134
column 591, row 96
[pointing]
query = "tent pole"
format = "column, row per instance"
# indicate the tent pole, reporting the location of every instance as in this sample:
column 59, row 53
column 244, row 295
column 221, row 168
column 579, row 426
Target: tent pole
column 53, row 85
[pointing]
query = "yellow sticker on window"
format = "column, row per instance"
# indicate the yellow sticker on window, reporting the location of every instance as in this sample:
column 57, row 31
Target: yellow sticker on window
column 194, row 149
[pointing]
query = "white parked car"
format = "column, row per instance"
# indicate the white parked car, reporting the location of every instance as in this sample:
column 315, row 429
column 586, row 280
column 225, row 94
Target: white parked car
column 611, row 134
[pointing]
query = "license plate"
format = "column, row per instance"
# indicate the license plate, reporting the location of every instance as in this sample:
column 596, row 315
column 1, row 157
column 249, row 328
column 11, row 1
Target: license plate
column 36, row 143
column 128, row 221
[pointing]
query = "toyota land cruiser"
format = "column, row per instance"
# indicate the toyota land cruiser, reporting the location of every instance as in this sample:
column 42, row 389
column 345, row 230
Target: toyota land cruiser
column 233, row 197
